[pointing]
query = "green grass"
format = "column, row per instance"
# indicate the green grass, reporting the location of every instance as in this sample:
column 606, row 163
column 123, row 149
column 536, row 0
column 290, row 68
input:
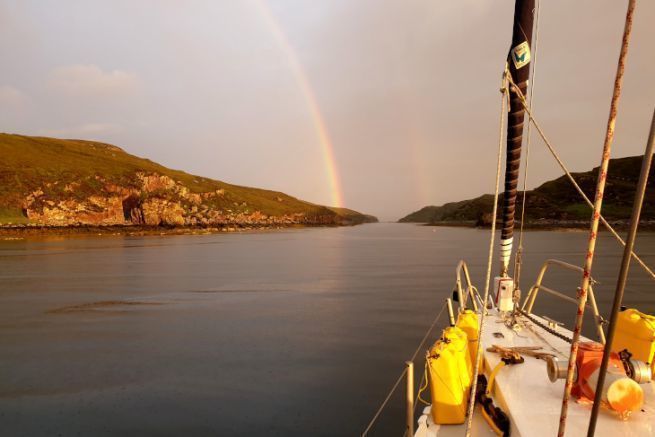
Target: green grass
column 13, row 216
column 578, row 211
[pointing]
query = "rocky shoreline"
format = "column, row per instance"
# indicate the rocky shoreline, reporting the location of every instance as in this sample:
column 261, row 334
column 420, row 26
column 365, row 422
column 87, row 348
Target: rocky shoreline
column 153, row 200
column 155, row 204
column 17, row 232
column 549, row 225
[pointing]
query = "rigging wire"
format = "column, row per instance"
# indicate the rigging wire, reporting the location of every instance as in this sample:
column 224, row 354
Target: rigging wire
column 478, row 353
column 384, row 403
column 553, row 152
column 402, row 374
column 425, row 337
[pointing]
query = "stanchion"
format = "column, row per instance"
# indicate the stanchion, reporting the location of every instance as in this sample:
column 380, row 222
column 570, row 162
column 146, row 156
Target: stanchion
column 410, row 398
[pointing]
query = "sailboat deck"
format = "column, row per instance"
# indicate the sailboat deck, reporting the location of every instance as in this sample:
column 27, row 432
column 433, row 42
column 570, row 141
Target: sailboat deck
column 532, row 402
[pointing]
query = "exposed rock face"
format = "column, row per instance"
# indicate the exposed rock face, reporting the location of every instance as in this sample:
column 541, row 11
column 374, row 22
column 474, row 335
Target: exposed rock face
column 154, row 182
column 94, row 210
column 162, row 212
column 150, row 199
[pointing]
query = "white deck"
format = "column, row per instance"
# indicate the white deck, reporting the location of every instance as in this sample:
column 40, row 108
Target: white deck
column 533, row 403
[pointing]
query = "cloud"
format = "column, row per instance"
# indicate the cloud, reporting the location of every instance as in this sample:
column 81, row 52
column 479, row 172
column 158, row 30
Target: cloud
column 15, row 108
column 91, row 81
column 84, row 131
column 12, row 97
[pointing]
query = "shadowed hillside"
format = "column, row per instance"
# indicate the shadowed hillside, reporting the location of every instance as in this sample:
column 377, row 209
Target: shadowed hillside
column 55, row 182
column 555, row 201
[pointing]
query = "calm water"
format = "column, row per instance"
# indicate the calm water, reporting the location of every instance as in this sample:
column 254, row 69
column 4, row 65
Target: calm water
column 297, row 332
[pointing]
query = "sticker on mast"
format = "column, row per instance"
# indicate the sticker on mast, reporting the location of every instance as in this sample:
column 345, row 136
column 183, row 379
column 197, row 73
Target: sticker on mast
column 521, row 55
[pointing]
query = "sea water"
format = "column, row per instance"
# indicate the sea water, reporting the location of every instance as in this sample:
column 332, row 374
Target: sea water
column 293, row 332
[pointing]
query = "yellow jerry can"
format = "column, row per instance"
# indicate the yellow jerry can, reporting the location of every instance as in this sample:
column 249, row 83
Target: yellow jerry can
column 467, row 321
column 635, row 331
column 459, row 339
column 450, row 373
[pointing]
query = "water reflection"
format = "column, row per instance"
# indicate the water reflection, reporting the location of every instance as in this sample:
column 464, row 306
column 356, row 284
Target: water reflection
column 287, row 333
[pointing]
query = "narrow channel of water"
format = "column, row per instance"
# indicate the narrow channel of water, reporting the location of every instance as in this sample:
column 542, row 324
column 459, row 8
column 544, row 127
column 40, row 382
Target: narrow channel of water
column 297, row 332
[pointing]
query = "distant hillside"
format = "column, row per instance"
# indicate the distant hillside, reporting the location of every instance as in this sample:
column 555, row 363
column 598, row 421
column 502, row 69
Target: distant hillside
column 55, row 182
column 555, row 201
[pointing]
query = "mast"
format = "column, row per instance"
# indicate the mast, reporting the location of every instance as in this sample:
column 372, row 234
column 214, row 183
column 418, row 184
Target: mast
column 518, row 62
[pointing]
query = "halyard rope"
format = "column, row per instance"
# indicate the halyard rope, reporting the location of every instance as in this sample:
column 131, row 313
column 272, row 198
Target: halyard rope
column 478, row 353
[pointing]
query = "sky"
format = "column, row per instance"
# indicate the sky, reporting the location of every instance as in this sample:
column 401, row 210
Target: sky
column 381, row 106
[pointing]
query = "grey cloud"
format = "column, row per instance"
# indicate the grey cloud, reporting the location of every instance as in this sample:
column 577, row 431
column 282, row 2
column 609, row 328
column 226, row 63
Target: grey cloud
column 86, row 80
column 91, row 131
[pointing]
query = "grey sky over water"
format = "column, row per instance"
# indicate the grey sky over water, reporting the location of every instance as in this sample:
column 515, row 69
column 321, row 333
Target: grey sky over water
column 407, row 89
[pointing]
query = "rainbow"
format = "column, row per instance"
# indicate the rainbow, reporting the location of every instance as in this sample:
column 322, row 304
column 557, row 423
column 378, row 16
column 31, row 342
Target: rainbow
column 312, row 103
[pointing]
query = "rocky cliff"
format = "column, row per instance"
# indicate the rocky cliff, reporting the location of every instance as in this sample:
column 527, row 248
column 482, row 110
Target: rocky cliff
column 52, row 182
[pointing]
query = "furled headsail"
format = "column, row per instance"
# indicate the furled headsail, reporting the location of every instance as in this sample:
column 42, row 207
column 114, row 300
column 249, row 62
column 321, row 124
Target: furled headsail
column 518, row 64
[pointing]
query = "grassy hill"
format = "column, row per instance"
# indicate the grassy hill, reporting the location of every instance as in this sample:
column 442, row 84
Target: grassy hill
column 556, row 200
column 48, row 173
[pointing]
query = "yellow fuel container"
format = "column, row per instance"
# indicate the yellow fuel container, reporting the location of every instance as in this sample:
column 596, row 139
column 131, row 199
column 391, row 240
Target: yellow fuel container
column 635, row 331
column 459, row 339
column 450, row 374
column 467, row 321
